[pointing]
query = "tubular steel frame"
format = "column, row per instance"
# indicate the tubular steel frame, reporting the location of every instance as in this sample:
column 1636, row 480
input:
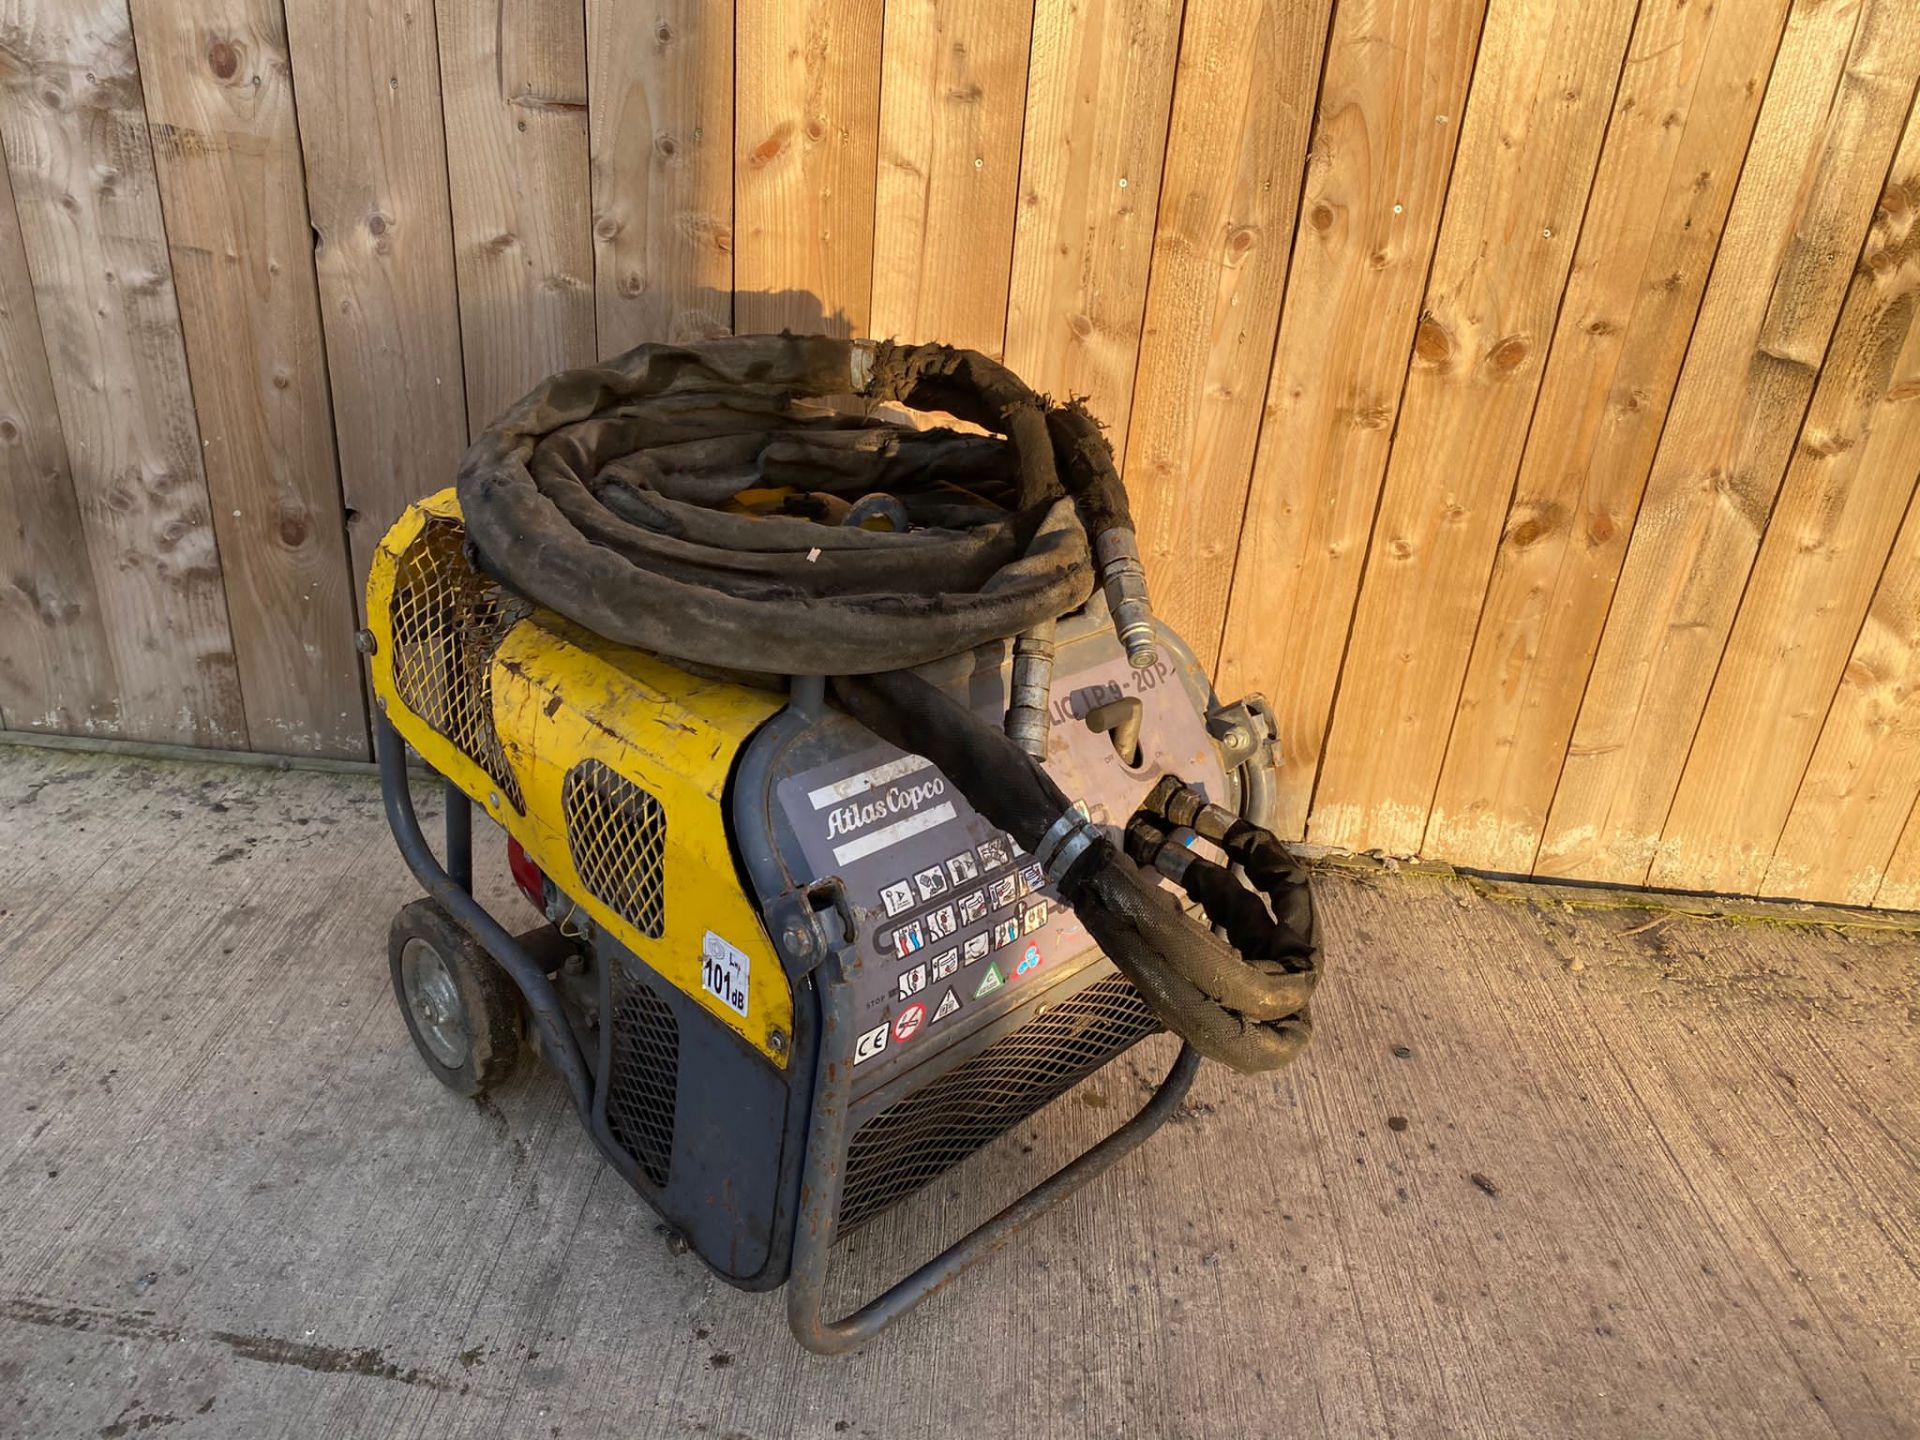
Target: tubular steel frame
column 824, row 1167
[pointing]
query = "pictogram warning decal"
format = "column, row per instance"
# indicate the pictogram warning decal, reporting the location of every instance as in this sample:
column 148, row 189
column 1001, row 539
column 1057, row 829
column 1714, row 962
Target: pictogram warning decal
column 907, row 1023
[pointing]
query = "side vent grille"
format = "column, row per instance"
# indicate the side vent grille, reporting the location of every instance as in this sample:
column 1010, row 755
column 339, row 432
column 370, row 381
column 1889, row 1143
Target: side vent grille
column 618, row 834
column 928, row 1131
column 447, row 621
column 645, row 1076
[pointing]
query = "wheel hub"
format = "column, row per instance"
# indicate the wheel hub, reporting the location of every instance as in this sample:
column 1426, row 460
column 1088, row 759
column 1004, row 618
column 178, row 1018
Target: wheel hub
column 435, row 1002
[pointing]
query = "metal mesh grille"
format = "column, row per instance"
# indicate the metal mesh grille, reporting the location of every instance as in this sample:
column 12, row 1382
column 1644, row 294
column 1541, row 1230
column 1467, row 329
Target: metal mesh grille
column 645, row 1076
column 929, row 1131
column 447, row 621
column 618, row 833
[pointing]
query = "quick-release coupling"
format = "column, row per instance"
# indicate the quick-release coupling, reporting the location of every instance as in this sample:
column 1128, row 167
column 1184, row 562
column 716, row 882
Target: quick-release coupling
column 1168, row 851
column 1184, row 807
column 1124, row 578
column 1028, row 708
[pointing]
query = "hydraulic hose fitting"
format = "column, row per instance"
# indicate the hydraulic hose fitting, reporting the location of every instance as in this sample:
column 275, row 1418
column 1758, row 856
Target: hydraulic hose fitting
column 1151, row 845
column 861, row 358
column 1028, row 708
column 1117, row 553
column 1182, row 807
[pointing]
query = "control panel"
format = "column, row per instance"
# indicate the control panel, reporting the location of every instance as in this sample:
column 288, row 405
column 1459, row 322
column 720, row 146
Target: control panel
column 956, row 924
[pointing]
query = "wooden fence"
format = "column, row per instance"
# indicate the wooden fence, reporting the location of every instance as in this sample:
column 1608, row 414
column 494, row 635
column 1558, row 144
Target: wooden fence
column 1521, row 393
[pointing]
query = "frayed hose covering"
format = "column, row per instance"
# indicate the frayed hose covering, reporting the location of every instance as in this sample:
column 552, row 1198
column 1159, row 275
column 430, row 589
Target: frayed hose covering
column 609, row 494
column 686, row 500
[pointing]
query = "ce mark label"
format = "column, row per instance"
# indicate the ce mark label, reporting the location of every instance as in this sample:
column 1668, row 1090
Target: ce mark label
column 871, row 1043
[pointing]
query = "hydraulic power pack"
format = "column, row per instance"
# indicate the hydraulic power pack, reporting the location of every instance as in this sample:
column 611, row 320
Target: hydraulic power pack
column 788, row 969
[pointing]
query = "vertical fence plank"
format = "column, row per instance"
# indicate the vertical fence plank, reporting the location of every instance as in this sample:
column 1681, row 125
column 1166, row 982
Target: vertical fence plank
column 56, row 670
column 1901, row 888
column 75, row 130
column 1688, row 99
column 1243, row 105
column 1833, row 112
column 514, row 77
column 660, row 127
column 1864, row 778
column 1826, row 544
column 367, row 80
column 953, row 94
column 227, row 155
column 1100, row 84
column 808, row 94
column 1390, row 105
column 1542, row 89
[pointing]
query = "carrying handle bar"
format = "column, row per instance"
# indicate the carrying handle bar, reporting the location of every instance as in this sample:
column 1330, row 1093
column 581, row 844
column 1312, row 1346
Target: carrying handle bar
column 823, row 1176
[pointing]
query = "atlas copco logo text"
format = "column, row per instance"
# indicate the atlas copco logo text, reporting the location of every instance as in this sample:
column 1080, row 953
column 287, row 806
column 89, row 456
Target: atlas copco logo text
column 900, row 800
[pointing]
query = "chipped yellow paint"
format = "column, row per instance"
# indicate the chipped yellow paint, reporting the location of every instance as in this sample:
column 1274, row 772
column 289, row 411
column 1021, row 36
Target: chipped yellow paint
column 562, row 695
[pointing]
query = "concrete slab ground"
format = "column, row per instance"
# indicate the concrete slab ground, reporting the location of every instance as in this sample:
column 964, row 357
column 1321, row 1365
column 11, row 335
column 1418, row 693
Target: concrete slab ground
column 1549, row 1168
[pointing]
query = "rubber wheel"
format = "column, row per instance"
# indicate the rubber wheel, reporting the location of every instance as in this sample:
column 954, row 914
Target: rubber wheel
column 462, row 1009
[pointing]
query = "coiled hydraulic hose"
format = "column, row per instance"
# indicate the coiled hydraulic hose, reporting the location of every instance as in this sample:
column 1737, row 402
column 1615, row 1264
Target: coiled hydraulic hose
column 687, row 500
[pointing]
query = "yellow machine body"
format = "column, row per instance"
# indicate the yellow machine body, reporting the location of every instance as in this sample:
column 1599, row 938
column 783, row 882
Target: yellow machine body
column 608, row 765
